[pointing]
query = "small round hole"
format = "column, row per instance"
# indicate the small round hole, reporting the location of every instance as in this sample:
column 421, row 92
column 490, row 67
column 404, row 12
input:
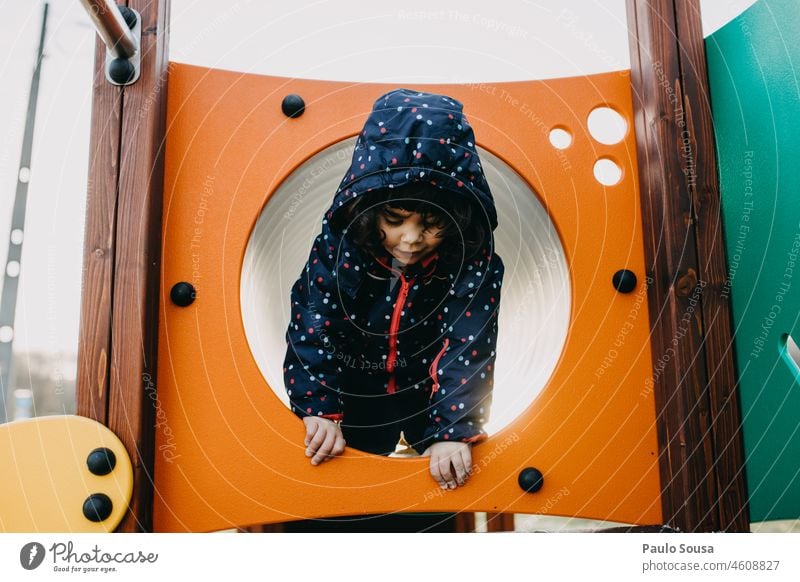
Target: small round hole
column 16, row 236
column 560, row 138
column 607, row 172
column 12, row 269
column 24, row 175
column 607, row 126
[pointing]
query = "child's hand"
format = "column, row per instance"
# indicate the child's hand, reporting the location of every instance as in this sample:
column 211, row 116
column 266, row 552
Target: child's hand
column 451, row 463
column 324, row 439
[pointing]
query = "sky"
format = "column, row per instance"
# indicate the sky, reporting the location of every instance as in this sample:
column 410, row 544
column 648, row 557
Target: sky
column 332, row 39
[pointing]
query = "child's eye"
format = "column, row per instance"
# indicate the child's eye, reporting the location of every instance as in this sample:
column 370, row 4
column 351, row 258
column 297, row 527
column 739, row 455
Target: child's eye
column 432, row 225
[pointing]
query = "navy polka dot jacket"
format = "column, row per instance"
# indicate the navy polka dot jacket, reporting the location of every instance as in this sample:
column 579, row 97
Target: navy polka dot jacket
column 366, row 338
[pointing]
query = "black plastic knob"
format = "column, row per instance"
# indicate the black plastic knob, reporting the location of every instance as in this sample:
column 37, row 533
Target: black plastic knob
column 530, row 479
column 101, row 461
column 97, row 507
column 121, row 71
column 182, row 294
column 293, row 106
column 129, row 16
column 624, row 281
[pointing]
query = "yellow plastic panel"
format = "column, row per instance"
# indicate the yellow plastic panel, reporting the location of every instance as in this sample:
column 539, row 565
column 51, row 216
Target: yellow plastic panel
column 45, row 479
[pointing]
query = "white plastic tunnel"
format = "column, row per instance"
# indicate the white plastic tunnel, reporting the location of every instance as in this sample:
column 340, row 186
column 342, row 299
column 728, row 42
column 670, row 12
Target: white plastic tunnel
column 535, row 302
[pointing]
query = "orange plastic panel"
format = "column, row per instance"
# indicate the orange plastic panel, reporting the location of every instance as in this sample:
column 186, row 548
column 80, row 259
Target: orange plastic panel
column 230, row 453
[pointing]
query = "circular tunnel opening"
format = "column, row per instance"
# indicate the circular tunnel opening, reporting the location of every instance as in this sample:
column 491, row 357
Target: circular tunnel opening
column 535, row 303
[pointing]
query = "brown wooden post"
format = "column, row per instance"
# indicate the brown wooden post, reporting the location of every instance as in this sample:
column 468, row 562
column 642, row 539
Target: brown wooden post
column 701, row 454
column 122, row 250
column 464, row 522
column 499, row 522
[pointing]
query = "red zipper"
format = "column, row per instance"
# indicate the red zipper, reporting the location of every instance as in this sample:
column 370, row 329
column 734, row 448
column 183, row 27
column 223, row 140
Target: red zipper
column 394, row 326
column 434, row 369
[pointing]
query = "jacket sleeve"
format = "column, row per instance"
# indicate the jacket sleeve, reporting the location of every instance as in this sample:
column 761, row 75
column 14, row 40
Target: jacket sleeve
column 311, row 367
column 463, row 371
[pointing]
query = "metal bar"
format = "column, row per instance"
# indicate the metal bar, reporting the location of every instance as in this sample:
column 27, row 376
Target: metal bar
column 8, row 300
column 111, row 27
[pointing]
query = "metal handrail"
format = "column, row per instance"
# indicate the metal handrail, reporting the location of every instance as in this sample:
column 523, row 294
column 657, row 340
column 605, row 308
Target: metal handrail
column 111, row 27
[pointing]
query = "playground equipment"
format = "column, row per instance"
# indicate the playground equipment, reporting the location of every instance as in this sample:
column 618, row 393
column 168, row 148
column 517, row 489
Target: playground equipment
column 222, row 176
column 752, row 72
column 63, row 473
column 632, row 410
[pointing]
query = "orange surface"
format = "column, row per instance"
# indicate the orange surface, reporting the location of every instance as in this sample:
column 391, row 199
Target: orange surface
column 227, row 449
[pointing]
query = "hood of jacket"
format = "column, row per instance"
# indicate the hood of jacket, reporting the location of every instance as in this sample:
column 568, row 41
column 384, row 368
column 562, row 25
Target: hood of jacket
column 412, row 137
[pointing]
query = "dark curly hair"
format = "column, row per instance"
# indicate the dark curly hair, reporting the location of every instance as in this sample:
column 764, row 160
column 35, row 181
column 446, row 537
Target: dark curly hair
column 463, row 225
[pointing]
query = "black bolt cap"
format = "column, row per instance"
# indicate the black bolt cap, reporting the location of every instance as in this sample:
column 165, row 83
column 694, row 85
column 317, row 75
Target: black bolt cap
column 293, row 106
column 129, row 16
column 530, row 479
column 182, row 294
column 121, row 71
column 97, row 507
column 624, row 281
column 101, row 461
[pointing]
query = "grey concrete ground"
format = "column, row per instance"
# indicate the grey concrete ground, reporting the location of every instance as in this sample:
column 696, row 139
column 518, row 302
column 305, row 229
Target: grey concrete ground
column 532, row 523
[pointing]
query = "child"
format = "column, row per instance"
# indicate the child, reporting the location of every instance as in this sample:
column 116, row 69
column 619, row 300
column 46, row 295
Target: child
column 394, row 318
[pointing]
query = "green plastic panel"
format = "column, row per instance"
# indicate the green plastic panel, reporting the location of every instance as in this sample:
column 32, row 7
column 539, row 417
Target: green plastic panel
column 754, row 71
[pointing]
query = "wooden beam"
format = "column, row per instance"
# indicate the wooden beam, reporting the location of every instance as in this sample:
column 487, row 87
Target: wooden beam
column 94, row 344
column 499, row 522
column 726, row 422
column 701, row 458
column 122, row 249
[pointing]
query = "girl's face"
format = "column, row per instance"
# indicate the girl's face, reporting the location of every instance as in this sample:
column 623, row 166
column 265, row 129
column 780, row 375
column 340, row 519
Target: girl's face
column 408, row 238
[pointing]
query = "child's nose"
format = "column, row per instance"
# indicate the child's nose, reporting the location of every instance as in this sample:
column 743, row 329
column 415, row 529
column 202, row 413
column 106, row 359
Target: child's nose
column 411, row 235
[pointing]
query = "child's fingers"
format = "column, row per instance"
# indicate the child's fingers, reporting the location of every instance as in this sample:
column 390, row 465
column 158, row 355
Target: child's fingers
column 458, row 466
column 316, row 441
column 435, row 473
column 339, row 445
column 311, row 428
column 466, row 456
column 445, row 472
column 325, row 448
